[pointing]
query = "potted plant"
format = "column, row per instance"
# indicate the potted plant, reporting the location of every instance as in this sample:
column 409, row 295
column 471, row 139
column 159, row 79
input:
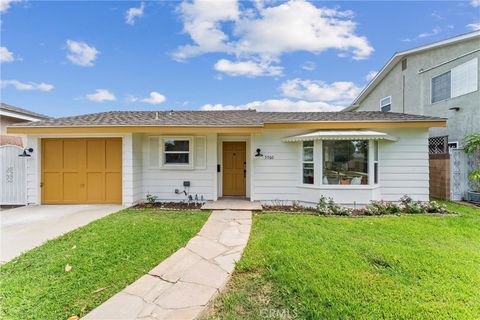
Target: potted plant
column 472, row 146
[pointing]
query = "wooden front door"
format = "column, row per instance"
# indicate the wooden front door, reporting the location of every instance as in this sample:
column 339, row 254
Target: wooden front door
column 81, row 170
column 234, row 168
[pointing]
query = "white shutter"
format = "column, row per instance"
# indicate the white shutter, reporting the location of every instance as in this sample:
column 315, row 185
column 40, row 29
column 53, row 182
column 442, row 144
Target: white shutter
column 465, row 78
column 154, row 152
column 200, row 152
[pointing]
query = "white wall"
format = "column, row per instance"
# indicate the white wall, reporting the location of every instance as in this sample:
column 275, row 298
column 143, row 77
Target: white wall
column 403, row 169
column 137, row 170
column 162, row 182
column 403, row 165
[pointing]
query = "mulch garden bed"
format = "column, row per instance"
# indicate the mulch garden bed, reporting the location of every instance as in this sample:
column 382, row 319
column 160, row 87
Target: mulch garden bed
column 170, row 206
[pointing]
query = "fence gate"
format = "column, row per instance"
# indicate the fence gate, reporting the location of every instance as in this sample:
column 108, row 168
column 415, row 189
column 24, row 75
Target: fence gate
column 12, row 176
column 461, row 164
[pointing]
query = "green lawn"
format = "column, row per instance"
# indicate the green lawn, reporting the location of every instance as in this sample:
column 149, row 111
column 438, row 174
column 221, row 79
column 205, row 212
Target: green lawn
column 106, row 256
column 310, row 267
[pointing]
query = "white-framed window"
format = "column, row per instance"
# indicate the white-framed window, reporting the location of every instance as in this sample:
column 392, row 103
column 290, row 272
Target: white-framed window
column 386, row 104
column 308, row 171
column 177, row 152
column 456, row 82
column 375, row 161
column 441, row 87
column 345, row 162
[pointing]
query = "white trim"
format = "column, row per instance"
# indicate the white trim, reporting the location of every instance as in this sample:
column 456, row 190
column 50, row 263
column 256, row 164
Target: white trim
column 388, row 104
column 195, row 154
column 190, row 152
column 16, row 115
column 249, row 161
column 340, row 186
column 341, row 135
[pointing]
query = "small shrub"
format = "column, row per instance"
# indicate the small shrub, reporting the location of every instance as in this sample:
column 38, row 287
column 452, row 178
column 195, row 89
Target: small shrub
column 328, row 207
column 415, row 207
column 377, row 208
column 151, row 199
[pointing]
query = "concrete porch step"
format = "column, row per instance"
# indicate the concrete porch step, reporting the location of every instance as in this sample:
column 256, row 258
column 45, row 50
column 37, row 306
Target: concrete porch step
column 233, row 204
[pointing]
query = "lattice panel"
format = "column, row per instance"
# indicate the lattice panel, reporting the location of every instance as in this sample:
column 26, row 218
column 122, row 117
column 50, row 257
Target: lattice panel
column 438, row 145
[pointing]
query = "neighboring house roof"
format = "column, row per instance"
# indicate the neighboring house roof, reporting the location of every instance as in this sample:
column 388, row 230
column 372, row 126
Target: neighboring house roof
column 398, row 56
column 20, row 113
column 240, row 118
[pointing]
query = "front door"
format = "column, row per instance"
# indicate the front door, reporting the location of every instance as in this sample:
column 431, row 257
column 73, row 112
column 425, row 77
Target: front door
column 234, row 168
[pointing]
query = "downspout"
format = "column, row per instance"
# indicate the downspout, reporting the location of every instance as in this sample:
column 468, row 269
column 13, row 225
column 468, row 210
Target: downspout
column 403, row 93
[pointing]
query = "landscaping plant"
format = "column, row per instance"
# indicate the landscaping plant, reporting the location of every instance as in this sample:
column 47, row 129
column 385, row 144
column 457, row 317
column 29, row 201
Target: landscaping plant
column 328, row 207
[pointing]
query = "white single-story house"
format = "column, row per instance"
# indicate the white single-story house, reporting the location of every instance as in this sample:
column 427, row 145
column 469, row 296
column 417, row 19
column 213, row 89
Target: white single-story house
column 121, row 157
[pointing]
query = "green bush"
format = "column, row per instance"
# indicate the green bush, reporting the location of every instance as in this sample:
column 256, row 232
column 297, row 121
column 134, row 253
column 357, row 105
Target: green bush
column 377, row 208
column 328, row 207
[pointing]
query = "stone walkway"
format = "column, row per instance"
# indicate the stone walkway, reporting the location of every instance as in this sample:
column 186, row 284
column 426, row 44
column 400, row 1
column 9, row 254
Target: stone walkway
column 182, row 285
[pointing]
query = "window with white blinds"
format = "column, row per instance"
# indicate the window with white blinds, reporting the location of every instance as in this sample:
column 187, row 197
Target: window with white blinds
column 465, row 78
column 458, row 81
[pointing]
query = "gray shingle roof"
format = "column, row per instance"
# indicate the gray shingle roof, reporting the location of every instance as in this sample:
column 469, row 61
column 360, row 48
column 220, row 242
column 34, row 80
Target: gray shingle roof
column 26, row 112
column 239, row 118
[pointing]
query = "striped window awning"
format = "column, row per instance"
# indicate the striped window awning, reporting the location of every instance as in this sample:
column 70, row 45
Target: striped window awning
column 341, row 135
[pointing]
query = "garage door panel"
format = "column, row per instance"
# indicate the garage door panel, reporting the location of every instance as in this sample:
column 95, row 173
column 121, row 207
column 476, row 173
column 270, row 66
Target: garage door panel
column 113, row 155
column 95, row 155
column 53, row 154
column 71, row 182
column 52, row 187
column 82, row 170
column 72, row 155
column 95, row 187
column 113, row 187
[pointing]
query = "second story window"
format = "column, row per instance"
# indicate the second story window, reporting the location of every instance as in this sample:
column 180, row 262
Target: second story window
column 441, row 87
column 386, row 104
column 456, row 82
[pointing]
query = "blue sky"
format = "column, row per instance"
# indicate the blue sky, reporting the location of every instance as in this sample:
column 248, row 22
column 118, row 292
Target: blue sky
column 65, row 58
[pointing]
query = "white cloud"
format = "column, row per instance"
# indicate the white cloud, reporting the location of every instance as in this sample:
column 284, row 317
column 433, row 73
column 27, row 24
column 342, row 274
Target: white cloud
column 26, row 86
column 81, row 53
column 309, row 66
column 5, row 5
column 370, row 75
column 473, row 26
column 475, row 3
column 247, row 68
column 154, row 98
column 423, row 35
column 101, row 95
column 338, row 93
column 201, row 20
column 277, row 105
column 133, row 13
column 6, row 55
column 266, row 32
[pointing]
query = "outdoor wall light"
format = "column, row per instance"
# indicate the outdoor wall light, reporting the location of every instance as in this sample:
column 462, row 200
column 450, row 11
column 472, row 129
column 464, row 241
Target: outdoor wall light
column 25, row 154
column 259, row 153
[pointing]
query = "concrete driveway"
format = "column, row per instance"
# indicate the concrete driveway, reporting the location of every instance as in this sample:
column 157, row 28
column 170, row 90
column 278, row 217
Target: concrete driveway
column 25, row 228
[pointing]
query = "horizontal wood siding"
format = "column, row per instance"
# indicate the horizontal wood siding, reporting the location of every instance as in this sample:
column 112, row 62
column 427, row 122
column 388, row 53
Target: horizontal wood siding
column 403, row 169
column 162, row 182
column 403, row 165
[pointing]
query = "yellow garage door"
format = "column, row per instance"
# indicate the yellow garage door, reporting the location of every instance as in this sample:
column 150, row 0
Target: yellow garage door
column 81, row 170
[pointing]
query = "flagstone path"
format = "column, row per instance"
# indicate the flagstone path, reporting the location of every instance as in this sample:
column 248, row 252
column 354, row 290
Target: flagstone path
column 182, row 285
